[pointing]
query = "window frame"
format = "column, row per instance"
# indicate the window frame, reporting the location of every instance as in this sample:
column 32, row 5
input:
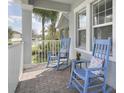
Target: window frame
column 95, row 2
column 78, row 30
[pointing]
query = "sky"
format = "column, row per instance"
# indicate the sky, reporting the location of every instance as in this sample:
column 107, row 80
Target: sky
column 15, row 18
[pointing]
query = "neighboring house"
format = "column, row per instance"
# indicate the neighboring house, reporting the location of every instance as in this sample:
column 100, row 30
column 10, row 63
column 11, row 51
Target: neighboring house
column 63, row 24
column 16, row 36
column 36, row 36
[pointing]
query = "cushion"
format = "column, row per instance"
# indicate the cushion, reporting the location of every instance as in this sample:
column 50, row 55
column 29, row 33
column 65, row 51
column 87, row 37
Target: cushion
column 63, row 52
column 96, row 63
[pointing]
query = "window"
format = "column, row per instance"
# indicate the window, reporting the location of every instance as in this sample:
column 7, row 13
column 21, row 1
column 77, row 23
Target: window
column 103, row 32
column 102, row 19
column 81, row 30
column 102, row 12
column 82, row 20
column 82, row 39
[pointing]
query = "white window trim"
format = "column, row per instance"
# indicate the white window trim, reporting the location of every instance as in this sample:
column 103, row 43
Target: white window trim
column 78, row 30
column 78, row 10
column 102, row 25
column 87, row 4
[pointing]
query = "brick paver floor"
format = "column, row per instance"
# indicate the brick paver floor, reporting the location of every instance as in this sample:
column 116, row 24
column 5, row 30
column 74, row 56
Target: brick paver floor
column 39, row 79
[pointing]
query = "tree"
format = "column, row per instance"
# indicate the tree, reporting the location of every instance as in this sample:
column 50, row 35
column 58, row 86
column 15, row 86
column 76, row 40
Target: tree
column 45, row 16
column 52, row 33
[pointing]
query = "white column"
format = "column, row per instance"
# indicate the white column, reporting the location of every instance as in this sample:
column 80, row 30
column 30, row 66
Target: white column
column 27, row 33
column 88, row 28
column 72, row 35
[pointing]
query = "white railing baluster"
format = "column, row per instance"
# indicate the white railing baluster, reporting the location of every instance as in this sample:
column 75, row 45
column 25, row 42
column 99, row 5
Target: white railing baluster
column 44, row 52
column 41, row 51
column 46, row 49
column 50, row 46
column 55, row 48
column 36, row 51
column 41, row 55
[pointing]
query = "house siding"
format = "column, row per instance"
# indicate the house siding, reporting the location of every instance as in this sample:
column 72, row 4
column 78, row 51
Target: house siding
column 87, row 54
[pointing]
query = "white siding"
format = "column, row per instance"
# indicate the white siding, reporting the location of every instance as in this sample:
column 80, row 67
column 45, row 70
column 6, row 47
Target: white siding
column 15, row 65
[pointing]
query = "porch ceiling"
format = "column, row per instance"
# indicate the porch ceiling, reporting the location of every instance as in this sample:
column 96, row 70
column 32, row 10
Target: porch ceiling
column 52, row 5
column 57, row 5
column 65, row 1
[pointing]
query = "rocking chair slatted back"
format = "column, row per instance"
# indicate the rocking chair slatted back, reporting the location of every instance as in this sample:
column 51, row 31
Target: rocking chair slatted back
column 101, row 50
column 65, row 43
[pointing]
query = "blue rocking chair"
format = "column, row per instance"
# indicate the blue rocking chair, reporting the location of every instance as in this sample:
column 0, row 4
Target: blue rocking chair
column 93, row 77
column 62, row 54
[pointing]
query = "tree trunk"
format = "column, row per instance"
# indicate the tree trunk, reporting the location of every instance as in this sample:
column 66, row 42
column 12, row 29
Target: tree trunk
column 43, row 20
column 53, row 31
column 43, row 37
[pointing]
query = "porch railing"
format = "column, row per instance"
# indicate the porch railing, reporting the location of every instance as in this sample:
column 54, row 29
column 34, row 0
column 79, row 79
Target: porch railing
column 15, row 65
column 40, row 49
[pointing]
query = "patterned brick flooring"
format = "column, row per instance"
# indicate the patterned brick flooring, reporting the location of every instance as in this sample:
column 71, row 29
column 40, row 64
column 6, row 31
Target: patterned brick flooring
column 39, row 79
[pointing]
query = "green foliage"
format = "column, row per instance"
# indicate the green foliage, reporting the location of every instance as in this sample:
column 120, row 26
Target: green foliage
column 44, row 16
column 48, row 14
column 10, row 43
column 52, row 33
column 10, row 33
column 34, row 49
column 39, row 54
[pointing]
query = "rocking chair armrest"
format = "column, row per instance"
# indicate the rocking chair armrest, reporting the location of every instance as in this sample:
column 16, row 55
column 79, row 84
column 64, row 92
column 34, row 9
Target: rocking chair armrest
column 59, row 53
column 75, row 62
column 93, row 69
